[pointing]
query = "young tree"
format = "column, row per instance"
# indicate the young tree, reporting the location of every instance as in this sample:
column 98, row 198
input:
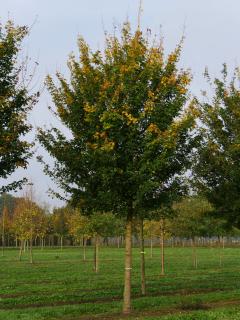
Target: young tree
column 15, row 103
column 60, row 226
column 3, row 221
column 130, row 135
column 191, row 220
column 118, row 229
column 217, row 170
column 100, row 225
column 159, row 227
column 27, row 215
column 41, row 226
column 78, row 227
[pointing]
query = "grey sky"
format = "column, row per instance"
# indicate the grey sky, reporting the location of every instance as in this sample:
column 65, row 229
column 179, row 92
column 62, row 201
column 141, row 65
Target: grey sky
column 211, row 29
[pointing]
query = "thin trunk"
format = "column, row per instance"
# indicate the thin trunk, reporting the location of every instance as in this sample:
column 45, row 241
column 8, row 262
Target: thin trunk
column 222, row 246
column 16, row 242
column 142, row 252
column 195, row 262
column 162, row 250
column 20, row 250
column 118, row 242
column 96, row 261
column 3, row 231
column 151, row 244
column 61, row 242
column 128, row 267
column 220, row 258
column 84, row 249
column 30, row 250
column 3, row 242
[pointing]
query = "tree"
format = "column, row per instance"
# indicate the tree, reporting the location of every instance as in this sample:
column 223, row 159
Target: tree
column 27, row 215
column 118, row 229
column 216, row 170
column 78, row 227
column 130, row 134
column 15, row 103
column 59, row 220
column 158, row 226
column 191, row 220
column 41, row 230
column 6, row 210
column 100, row 225
column 4, row 217
column 151, row 230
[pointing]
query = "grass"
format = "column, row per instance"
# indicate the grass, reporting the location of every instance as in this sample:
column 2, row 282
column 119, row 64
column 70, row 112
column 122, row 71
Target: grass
column 60, row 285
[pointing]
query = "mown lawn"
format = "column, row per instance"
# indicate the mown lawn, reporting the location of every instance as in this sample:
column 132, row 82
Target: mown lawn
column 60, row 285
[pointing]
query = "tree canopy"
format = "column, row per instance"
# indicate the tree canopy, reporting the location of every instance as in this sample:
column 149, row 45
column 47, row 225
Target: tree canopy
column 15, row 103
column 129, row 134
column 216, row 171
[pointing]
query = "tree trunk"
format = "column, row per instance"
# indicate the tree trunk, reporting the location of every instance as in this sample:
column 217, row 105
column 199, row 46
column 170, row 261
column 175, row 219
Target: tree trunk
column 3, row 242
column 151, row 248
column 142, row 252
column 3, row 232
column 61, row 242
column 20, row 250
column 118, row 242
column 195, row 262
column 84, row 249
column 162, row 251
column 222, row 246
column 128, row 267
column 30, row 250
column 96, row 261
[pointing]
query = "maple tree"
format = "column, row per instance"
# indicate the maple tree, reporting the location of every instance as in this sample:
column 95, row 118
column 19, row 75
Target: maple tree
column 131, row 130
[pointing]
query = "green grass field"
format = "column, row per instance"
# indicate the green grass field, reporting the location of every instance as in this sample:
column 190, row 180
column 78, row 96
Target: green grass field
column 60, row 285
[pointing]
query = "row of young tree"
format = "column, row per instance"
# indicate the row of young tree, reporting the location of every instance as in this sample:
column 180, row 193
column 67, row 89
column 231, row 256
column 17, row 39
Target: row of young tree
column 137, row 140
column 23, row 224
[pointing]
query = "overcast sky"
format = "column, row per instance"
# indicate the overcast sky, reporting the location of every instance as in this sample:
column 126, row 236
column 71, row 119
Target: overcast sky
column 211, row 30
